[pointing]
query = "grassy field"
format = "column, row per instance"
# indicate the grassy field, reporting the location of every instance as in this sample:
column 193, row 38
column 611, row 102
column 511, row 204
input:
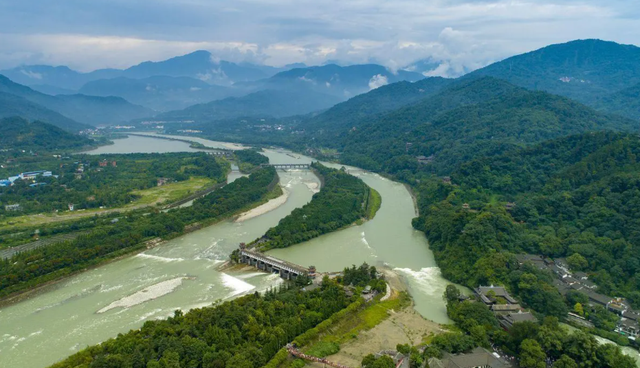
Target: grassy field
column 373, row 204
column 152, row 196
column 349, row 327
column 170, row 192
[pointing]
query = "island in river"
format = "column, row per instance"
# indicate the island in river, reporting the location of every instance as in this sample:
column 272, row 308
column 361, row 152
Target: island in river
column 63, row 318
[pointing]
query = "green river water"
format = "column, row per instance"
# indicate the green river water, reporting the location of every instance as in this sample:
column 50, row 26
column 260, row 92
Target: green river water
column 182, row 274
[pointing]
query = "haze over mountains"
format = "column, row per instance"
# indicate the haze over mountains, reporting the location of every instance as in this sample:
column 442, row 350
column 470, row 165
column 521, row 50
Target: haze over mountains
column 197, row 87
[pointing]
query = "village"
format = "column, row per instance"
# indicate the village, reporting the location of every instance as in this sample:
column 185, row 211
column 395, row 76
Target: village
column 566, row 281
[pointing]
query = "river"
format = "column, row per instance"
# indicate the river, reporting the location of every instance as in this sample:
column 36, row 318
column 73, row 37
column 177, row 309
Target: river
column 182, row 274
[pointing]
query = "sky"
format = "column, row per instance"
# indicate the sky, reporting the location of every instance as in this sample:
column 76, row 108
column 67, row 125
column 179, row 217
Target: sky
column 457, row 35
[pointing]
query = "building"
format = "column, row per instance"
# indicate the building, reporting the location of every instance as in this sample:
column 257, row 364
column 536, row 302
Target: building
column 478, row 358
column 629, row 328
column 34, row 174
column 510, row 206
column 12, row 207
column 423, row 160
column 446, row 180
column 508, row 320
column 598, row 299
column 490, row 294
column 536, row 260
column 5, row 183
column 505, row 308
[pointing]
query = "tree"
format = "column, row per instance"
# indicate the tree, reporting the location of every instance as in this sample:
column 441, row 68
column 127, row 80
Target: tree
column 451, row 294
column 531, row 355
column 577, row 262
column 368, row 361
column 565, row 362
column 578, row 309
column 384, row 361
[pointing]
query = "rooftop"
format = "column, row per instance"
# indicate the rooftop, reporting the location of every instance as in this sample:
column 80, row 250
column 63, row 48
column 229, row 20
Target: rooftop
column 499, row 291
column 479, row 357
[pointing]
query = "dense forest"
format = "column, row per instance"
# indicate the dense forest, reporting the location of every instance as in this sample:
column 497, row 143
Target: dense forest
column 249, row 159
column 129, row 233
column 574, row 197
column 469, row 120
column 342, row 200
column 93, row 181
column 243, row 333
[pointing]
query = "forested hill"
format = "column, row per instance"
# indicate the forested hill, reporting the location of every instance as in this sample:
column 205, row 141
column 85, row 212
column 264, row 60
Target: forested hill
column 400, row 121
column 85, row 109
column 625, row 102
column 393, row 96
column 12, row 105
column 268, row 103
column 18, row 133
column 513, row 117
column 575, row 197
column 582, row 69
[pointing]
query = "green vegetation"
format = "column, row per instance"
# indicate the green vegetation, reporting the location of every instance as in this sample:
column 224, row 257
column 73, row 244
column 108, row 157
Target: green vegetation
column 14, row 106
column 266, row 103
column 69, row 112
column 373, row 203
column 19, row 134
column 582, row 69
column 530, row 343
column 243, row 333
column 131, row 233
column 574, row 197
column 342, row 201
column 249, row 159
column 92, row 182
column 470, row 119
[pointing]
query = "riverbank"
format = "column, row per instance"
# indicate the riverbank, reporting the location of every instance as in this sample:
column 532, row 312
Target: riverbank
column 62, row 274
column 271, row 205
column 378, row 326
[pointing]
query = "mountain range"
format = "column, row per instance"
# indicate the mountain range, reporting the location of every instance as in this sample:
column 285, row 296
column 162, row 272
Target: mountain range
column 81, row 108
column 19, row 133
column 585, row 70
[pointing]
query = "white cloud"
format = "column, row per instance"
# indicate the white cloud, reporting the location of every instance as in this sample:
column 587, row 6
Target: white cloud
column 378, row 81
column 31, row 74
column 459, row 34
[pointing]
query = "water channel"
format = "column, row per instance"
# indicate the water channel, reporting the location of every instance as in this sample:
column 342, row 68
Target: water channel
column 182, row 274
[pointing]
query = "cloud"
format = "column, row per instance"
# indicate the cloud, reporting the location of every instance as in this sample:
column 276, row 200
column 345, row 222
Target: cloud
column 459, row 35
column 377, row 81
column 31, row 74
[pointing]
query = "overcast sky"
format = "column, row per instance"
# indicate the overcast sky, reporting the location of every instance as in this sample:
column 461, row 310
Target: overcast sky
column 91, row 34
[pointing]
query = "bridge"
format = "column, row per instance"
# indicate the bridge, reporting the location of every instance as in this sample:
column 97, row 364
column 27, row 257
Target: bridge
column 288, row 166
column 261, row 261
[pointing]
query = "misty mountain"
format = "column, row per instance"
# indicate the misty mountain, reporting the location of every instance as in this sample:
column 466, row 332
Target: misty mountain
column 341, row 81
column 50, row 78
column 85, row 109
column 200, row 65
column 267, row 103
column 351, row 113
column 583, row 70
column 14, row 106
column 160, row 93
